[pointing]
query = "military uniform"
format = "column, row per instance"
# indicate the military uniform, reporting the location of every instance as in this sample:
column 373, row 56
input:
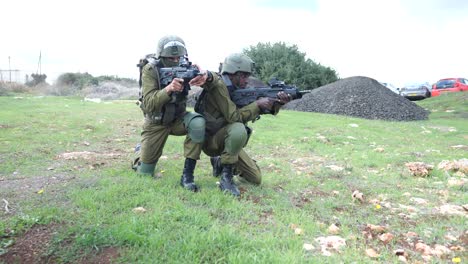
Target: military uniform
column 155, row 134
column 165, row 112
column 226, row 130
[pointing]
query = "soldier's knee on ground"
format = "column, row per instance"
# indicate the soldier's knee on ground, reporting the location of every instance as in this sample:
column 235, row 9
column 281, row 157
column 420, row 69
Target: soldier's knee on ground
column 253, row 179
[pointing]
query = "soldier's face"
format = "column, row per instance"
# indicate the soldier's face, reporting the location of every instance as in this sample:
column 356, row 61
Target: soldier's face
column 240, row 79
column 171, row 61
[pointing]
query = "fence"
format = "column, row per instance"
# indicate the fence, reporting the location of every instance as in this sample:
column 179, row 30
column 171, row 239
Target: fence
column 14, row 76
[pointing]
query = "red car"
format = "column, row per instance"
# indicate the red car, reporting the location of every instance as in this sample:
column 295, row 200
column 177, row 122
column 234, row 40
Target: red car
column 449, row 85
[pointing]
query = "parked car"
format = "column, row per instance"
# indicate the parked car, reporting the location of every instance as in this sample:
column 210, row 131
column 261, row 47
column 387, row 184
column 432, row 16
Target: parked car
column 391, row 87
column 449, row 85
column 416, row 91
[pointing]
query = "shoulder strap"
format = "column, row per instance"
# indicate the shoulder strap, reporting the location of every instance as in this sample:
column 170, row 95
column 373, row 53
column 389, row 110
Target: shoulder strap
column 228, row 84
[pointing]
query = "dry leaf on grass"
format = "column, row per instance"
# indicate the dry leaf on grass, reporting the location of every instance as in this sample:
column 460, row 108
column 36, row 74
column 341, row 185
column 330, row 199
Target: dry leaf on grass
column 334, row 168
column 375, row 229
column 380, row 150
column 423, row 248
column 419, row 201
column 456, row 165
column 454, row 182
column 386, row 237
column 308, row 247
column 333, row 229
column 330, row 243
column 139, row 210
column 323, row 139
column 357, row 195
column 451, row 209
column 298, row 231
column 411, row 234
column 440, row 251
column 419, row 169
column 372, row 253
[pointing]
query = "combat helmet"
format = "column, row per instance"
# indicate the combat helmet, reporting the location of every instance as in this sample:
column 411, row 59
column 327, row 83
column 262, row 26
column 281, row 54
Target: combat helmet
column 171, row 46
column 237, row 62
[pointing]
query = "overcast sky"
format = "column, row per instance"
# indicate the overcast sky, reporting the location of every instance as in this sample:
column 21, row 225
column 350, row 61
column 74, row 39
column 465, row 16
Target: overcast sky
column 395, row 41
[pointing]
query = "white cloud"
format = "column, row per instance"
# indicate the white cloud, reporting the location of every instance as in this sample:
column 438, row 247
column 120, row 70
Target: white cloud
column 393, row 41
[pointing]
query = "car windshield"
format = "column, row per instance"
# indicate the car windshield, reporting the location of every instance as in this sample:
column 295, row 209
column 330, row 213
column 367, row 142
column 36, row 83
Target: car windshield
column 445, row 84
column 414, row 85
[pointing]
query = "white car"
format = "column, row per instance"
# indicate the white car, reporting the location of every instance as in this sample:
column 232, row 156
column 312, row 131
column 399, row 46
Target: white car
column 416, row 91
column 391, row 87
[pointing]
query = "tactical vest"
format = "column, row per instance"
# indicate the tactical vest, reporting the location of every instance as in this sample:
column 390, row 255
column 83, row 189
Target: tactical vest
column 200, row 108
column 200, row 103
column 172, row 110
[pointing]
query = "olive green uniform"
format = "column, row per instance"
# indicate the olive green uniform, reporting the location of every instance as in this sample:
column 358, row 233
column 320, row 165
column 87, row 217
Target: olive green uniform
column 155, row 134
column 226, row 132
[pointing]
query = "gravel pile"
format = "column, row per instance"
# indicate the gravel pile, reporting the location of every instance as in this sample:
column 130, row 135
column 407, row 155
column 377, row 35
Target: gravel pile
column 359, row 97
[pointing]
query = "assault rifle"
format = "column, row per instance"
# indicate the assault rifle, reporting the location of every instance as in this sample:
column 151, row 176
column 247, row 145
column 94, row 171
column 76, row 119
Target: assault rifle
column 185, row 70
column 243, row 97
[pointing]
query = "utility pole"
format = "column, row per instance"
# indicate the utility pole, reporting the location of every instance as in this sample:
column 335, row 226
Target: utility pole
column 9, row 71
column 9, row 67
column 39, row 64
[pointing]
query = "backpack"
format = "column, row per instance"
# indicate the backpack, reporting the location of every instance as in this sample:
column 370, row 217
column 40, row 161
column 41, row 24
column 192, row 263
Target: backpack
column 141, row 64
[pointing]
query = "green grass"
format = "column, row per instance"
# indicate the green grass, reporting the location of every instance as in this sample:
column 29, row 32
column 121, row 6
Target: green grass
column 89, row 202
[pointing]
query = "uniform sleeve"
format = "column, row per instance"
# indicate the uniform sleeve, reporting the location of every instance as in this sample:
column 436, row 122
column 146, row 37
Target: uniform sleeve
column 219, row 92
column 276, row 108
column 154, row 97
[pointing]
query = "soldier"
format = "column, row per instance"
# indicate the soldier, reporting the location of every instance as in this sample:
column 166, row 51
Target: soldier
column 227, row 132
column 165, row 112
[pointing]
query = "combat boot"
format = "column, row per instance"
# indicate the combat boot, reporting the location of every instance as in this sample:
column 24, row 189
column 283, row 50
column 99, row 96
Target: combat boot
column 146, row 168
column 187, row 179
column 227, row 183
column 216, row 164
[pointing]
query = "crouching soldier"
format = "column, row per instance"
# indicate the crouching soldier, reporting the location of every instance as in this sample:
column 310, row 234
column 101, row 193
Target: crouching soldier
column 227, row 132
column 164, row 109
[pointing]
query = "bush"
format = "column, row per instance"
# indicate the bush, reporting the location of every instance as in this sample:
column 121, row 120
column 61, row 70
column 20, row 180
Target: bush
column 104, row 87
column 288, row 64
column 37, row 79
column 76, row 80
column 7, row 88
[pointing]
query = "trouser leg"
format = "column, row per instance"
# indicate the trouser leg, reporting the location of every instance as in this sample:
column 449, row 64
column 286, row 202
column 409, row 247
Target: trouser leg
column 248, row 168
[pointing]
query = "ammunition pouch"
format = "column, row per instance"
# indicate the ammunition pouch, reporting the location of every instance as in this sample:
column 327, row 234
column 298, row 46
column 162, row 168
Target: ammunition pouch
column 153, row 118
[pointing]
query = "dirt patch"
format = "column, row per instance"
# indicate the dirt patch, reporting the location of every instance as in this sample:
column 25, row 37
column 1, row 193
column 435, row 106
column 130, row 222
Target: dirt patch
column 40, row 188
column 32, row 246
column 307, row 196
column 104, row 256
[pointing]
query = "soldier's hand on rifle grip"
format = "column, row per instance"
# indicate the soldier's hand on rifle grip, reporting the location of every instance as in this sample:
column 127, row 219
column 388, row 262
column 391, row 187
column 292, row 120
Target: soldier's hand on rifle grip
column 175, row 86
column 265, row 103
column 200, row 79
column 283, row 98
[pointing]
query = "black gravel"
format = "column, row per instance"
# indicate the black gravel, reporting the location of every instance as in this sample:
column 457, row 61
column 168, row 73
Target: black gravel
column 359, row 97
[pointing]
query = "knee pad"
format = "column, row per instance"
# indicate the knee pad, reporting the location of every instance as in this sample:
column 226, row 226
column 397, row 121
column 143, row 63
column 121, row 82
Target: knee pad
column 236, row 139
column 195, row 125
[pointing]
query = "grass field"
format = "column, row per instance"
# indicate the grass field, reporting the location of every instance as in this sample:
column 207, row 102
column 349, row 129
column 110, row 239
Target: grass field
column 335, row 189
